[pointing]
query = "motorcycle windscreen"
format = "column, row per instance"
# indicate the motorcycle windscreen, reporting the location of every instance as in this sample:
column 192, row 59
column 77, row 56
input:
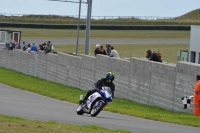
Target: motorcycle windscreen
column 108, row 89
column 107, row 94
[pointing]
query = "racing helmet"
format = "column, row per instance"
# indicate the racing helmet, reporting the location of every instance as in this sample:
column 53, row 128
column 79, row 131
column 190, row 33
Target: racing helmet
column 110, row 77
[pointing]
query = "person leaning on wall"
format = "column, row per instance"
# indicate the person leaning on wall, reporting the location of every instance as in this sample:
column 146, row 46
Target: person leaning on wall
column 196, row 99
column 114, row 53
column 151, row 55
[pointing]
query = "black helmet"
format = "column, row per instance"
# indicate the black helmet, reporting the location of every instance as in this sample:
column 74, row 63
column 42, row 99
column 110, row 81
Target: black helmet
column 110, row 77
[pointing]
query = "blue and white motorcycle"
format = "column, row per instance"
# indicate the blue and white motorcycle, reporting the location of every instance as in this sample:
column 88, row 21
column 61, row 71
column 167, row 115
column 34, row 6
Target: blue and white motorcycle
column 95, row 102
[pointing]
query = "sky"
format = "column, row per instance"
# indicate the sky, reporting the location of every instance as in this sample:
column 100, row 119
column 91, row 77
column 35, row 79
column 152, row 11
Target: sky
column 159, row 8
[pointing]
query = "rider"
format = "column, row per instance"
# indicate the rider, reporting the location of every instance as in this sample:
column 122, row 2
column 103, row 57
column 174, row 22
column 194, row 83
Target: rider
column 108, row 81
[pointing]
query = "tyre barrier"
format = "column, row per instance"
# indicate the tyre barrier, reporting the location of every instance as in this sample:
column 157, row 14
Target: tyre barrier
column 99, row 27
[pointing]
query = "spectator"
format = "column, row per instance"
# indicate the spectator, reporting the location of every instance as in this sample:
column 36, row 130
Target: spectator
column 29, row 48
column 33, row 48
column 114, row 53
column 151, row 55
column 44, row 45
column 196, row 99
column 52, row 47
column 12, row 46
column 97, row 50
column 7, row 46
column 108, row 49
column 17, row 46
column 40, row 48
column 47, row 48
column 24, row 47
column 102, row 50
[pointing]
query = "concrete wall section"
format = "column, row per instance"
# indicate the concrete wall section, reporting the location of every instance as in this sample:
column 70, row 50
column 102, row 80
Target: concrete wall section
column 27, row 62
column 152, row 83
column 18, row 60
column 162, row 85
column 88, row 68
column 51, row 72
column 121, row 68
column 74, row 72
column 140, row 80
column 42, row 65
column 103, row 65
column 62, row 69
column 185, row 82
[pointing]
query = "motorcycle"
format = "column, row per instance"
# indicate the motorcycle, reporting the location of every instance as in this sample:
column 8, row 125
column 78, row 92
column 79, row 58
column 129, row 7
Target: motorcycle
column 95, row 102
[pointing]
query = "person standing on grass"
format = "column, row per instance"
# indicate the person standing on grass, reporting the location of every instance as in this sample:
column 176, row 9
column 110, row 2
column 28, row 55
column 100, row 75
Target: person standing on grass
column 196, row 99
column 114, row 53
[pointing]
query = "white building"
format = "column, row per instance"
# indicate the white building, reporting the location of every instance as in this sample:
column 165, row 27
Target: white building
column 9, row 35
column 194, row 49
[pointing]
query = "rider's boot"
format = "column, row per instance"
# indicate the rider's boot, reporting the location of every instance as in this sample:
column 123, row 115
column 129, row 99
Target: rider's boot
column 86, row 97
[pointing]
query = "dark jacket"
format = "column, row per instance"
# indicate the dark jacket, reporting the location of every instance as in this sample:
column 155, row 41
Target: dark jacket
column 103, row 82
column 103, row 52
column 108, row 50
column 97, row 51
column 154, row 57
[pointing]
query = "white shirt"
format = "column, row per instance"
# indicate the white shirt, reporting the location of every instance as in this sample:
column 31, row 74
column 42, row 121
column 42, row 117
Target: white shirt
column 28, row 49
column 114, row 53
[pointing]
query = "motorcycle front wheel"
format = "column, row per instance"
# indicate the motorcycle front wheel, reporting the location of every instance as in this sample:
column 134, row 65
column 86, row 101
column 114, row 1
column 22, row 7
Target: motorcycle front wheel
column 79, row 110
column 96, row 109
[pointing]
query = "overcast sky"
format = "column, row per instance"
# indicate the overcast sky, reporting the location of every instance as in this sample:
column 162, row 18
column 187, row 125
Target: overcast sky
column 162, row 8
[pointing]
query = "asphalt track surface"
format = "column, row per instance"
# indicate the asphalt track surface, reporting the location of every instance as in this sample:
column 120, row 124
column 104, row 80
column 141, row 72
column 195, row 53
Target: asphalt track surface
column 108, row 41
column 14, row 102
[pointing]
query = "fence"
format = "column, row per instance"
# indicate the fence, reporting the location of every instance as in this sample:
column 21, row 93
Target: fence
column 122, row 20
column 138, row 80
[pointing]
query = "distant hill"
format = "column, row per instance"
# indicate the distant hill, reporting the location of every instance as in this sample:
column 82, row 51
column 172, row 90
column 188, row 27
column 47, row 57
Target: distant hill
column 195, row 14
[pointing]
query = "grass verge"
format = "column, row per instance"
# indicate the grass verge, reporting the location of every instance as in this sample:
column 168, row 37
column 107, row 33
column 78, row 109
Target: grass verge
column 67, row 33
column 188, row 19
column 169, row 51
column 11, row 124
column 71, row 94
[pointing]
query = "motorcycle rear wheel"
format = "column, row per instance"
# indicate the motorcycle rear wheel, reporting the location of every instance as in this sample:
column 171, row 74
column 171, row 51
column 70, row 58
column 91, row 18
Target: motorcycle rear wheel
column 96, row 109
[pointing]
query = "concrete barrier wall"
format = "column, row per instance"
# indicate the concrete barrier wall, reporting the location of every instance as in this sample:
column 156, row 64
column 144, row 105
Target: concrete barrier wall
column 139, row 80
column 88, row 67
column 18, row 60
column 185, row 81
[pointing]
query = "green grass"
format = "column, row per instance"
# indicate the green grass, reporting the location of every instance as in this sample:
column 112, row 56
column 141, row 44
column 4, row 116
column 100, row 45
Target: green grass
column 169, row 51
column 52, row 19
column 71, row 94
column 11, row 124
column 66, row 33
column 193, row 15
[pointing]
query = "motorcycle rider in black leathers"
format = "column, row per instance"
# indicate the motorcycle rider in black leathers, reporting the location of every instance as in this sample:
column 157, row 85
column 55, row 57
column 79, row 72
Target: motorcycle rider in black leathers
column 108, row 81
